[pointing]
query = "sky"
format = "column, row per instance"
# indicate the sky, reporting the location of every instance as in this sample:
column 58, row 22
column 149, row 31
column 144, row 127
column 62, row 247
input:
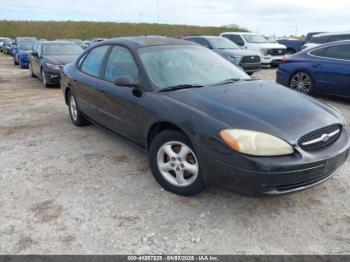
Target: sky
column 270, row 17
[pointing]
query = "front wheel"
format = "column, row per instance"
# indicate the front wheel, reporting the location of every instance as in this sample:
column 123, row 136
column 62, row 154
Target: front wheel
column 302, row 82
column 175, row 165
column 44, row 78
column 31, row 70
column 76, row 116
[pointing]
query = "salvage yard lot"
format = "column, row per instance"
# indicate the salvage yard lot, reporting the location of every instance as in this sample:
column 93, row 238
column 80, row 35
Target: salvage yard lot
column 70, row 190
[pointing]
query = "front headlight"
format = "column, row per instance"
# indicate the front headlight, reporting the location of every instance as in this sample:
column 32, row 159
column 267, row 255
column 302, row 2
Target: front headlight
column 264, row 51
column 255, row 143
column 53, row 67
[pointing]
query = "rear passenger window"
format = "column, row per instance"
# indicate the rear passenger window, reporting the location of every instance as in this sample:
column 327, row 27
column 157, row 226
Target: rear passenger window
column 120, row 63
column 318, row 52
column 92, row 63
column 338, row 52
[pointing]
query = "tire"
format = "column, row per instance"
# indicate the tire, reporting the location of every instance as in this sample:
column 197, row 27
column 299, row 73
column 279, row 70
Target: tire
column 250, row 73
column 302, row 82
column 75, row 115
column 44, row 78
column 274, row 65
column 14, row 61
column 181, row 173
column 31, row 71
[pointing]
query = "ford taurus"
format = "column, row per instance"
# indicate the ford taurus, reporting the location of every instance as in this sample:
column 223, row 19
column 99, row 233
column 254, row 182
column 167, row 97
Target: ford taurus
column 202, row 120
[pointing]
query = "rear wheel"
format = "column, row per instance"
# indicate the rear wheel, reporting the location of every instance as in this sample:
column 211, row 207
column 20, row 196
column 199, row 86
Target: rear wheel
column 14, row 61
column 76, row 116
column 302, row 82
column 175, row 165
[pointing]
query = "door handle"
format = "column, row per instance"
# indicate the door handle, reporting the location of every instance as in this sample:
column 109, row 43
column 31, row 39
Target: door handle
column 316, row 65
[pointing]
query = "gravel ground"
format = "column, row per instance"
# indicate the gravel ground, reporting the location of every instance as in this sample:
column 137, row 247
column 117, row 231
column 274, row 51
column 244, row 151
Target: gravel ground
column 69, row 190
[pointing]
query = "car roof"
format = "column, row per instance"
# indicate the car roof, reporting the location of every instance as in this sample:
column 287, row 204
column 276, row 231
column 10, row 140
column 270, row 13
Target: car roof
column 243, row 33
column 57, row 42
column 146, row 41
column 334, row 33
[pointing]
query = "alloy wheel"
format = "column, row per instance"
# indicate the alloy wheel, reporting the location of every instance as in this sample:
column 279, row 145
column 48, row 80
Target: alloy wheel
column 301, row 82
column 43, row 78
column 177, row 163
column 73, row 108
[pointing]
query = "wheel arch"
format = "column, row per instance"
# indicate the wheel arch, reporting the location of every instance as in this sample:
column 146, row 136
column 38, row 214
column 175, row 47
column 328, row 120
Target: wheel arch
column 159, row 127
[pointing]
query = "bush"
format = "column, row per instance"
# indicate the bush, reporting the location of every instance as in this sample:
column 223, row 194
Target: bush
column 86, row 30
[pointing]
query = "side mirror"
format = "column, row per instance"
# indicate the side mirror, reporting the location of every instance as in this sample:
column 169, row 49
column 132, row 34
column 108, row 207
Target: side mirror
column 126, row 81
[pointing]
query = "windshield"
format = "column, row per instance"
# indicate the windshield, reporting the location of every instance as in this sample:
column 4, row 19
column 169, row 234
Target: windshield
column 26, row 46
column 222, row 43
column 186, row 65
column 62, row 49
column 255, row 39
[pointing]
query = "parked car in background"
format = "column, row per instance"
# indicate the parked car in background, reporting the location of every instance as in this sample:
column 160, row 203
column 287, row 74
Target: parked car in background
column 249, row 61
column 7, row 47
column 293, row 45
column 320, row 70
column 23, row 48
column 202, row 120
column 96, row 40
column 324, row 38
column 310, row 35
column 2, row 42
column 15, row 50
column 48, row 58
column 270, row 53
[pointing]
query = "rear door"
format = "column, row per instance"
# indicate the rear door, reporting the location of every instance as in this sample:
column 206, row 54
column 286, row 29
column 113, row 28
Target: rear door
column 333, row 70
column 118, row 106
column 85, row 86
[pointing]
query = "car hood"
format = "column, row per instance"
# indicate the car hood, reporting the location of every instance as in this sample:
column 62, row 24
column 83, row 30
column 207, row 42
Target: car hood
column 61, row 59
column 260, row 106
column 237, row 52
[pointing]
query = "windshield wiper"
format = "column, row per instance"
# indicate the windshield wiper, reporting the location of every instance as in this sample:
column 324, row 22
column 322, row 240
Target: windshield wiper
column 179, row 87
column 233, row 80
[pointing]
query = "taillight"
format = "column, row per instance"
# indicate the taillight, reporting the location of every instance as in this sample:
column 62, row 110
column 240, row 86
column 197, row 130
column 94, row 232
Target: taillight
column 283, row 60
column 304, row 46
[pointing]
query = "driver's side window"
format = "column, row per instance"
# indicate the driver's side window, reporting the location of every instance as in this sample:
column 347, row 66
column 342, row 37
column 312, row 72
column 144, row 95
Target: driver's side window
column 120, row 63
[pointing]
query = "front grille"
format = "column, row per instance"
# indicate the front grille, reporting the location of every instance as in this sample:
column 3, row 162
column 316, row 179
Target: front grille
column 277, row 51
column 320, row 138
column 250, row 59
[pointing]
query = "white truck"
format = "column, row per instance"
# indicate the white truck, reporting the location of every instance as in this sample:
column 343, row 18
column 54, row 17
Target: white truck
column 270, row 53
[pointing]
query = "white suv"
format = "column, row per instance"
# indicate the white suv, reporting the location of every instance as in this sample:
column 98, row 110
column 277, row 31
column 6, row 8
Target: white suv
column 270, row 53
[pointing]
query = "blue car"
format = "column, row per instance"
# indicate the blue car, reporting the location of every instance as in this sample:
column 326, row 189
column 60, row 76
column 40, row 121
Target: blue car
column 20, row 57
column 321, row 70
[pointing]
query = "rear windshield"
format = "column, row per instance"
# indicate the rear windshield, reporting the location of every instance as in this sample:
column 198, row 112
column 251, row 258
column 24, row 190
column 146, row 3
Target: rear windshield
column 62, row 49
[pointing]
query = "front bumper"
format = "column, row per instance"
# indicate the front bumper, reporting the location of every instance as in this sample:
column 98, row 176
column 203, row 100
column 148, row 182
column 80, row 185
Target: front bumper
column 53, row 77
column 268, row 60
column 275, row 175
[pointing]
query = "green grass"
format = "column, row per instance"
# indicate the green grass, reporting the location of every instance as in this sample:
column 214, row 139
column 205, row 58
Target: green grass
column 86, row 30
